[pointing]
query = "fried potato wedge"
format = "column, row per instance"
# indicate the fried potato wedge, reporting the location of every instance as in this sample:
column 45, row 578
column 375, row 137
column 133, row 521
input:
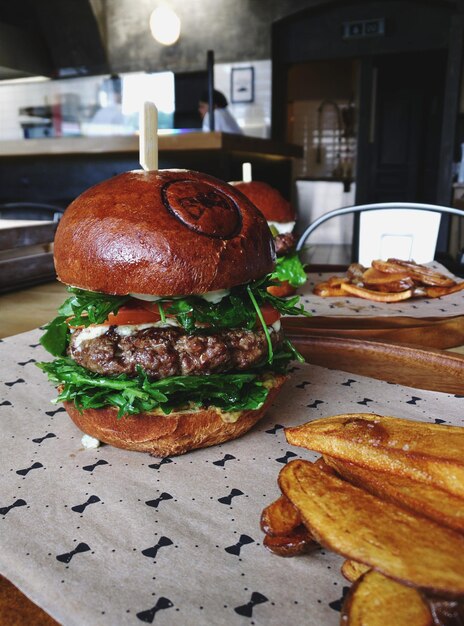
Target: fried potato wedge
column 298, row 542
column 280, row 518
column 352, row 570
column 438, row 292
column 375, row 600
column 436, row 504
column 376, row 296
column 430, row 453
column 385, row 282
column 326, row 290
column 426, row 275
column 387, row 538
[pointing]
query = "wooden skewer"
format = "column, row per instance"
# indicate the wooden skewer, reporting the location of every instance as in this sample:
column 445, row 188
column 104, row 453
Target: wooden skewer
column 148, row 141
column 246, row 172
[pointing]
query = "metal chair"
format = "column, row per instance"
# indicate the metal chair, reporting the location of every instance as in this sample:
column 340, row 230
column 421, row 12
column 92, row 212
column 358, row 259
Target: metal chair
column 30, row 211
column 366, row 250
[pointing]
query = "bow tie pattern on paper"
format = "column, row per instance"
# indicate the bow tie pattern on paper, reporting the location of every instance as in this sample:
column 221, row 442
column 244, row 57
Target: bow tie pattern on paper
column 80, row 508
column 90, row 468
column 53, row 413
column 285, row 459
column 154, row 503
column 153, row 551
column 222, row 462
column 348, row 382
column 24, row 472
column 315, row 404
column 303, row 385
column 5, row 509
column 162, row 462
column 149, row 616
column 66, row 558
column 228, row 499
column 23, row 363
column 336, row 605
column 243, row 541
column 247, row 609
column 413, row 400
column 47, row 436
column 272, row 431
column 365, row 401
column 15, row 382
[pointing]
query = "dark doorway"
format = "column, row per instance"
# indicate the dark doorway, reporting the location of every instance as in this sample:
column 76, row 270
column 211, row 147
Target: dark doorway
column 187, row 91
column 402, row 115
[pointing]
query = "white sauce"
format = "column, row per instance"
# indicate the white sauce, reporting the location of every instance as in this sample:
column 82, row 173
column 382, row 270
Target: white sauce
column 92, row 332
column 90, row 443
column 209, row 296
column 282, row 227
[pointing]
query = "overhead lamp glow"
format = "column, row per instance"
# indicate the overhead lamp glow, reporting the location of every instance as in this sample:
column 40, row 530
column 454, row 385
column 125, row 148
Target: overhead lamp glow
column 165, row 25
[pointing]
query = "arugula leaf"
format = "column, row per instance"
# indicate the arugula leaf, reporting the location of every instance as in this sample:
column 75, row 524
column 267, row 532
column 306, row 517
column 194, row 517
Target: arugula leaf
column 289, row 268
column 230, row 392
column 81, row 309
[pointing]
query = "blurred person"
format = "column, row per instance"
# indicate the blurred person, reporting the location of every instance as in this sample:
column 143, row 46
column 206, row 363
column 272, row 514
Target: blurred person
column 224, row 121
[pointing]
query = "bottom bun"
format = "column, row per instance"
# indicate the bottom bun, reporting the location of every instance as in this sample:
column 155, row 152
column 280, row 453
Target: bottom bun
column 167, row 435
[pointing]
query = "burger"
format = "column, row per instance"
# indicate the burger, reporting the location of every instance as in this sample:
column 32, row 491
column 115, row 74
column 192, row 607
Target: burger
column 281, row 218
column 169, row 340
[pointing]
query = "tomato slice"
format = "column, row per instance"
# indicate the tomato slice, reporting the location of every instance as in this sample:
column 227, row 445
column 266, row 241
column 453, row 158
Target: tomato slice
column 133, row 314
column 270, row 314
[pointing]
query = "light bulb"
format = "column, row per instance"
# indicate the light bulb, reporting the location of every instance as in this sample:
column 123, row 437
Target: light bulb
column 165, row 25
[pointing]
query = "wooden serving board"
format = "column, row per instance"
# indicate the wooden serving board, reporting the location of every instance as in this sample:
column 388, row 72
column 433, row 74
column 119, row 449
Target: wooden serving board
column 411, row 365
column 433, row 332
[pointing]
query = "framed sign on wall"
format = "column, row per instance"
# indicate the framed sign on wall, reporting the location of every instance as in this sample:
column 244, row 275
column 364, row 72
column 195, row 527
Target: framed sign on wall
column 242, row 84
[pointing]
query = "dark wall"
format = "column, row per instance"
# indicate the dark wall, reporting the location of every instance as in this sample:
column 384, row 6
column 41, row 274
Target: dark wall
column 235, row 29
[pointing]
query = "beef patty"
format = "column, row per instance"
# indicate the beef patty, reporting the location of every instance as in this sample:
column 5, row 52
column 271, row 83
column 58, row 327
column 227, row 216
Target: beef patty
column 284, row 243
column 163, row 352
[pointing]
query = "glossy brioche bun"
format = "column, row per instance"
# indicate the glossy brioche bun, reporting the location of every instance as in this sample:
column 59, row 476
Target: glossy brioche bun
column 268, row 200
column 165, row 435
column 165, row 232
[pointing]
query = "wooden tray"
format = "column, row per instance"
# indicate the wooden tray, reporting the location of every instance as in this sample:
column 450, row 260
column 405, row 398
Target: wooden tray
column 433, row 332
column 410, row 365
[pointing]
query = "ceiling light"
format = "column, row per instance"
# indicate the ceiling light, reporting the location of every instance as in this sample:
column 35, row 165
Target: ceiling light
column 165, row 25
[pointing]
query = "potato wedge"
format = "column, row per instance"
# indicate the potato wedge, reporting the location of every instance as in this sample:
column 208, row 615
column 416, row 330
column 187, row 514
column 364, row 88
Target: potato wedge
column 430, row 453
column 374, row 279
column 352, row 570
column 376, row 296
column 280, row 518
column 387, row 538
column 438, row 292
column 298, row 542
column 426, row 275
column 375, row 600
column 436, row 504
column 326, row 290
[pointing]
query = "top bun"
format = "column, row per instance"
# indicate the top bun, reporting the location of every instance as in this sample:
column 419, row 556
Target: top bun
column 269, row 201
column 164, row 232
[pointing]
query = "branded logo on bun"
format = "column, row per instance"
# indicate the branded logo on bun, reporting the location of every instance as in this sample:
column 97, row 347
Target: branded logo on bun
column 203, row 208
column 169, row 340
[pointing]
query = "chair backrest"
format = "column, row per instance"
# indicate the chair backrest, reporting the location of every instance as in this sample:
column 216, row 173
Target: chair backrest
column 30, row 211
column 406, row 230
